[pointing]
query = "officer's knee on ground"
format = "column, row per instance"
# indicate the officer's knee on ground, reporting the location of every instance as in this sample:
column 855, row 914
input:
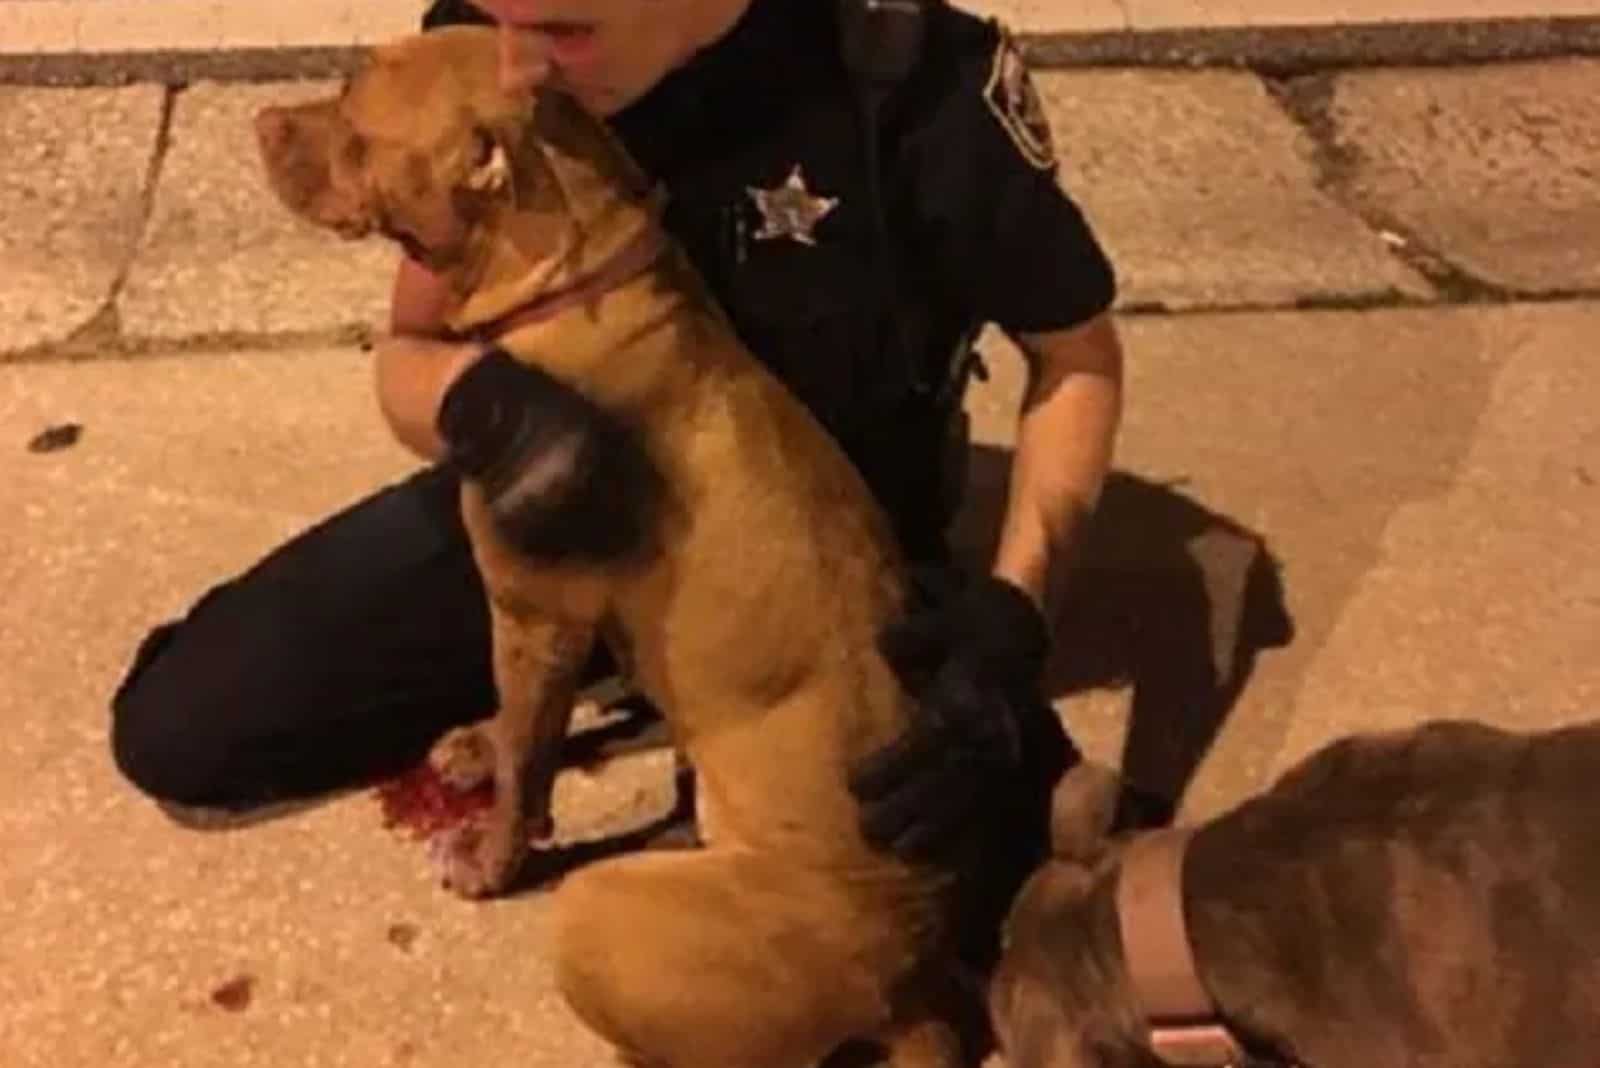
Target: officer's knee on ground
column 152, row 743
column 160, row 771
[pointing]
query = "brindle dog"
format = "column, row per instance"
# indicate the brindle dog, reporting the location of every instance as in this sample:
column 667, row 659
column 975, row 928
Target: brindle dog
column 1420, row 899
column 745, row 599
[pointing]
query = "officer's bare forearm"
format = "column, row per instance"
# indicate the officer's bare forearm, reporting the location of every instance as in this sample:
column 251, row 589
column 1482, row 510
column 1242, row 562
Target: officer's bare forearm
column 1065, row 441
column 419, row 300
column 412, row 375
column 413, row 366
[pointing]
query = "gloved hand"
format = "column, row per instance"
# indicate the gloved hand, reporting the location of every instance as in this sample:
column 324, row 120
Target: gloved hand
column 563, row 478
column 986, row 747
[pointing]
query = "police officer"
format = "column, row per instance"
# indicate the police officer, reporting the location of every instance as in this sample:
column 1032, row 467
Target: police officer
column 863, row 184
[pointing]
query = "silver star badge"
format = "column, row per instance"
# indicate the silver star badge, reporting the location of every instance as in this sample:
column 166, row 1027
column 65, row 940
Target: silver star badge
column 790, row 209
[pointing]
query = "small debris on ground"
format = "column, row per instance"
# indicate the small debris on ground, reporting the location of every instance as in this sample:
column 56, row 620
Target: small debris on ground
column 402, row 935
column 56, row 438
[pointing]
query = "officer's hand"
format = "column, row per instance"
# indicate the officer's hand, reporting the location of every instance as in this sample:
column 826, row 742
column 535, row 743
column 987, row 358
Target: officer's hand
column 552, row 465
column 985, row 744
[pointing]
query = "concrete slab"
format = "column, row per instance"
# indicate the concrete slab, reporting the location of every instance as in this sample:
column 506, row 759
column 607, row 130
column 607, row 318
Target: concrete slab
column 66, row 26
column 1497, row 169
column 1045, row 16
column 266, row 433
column 90, row 26
column 317, row 938
column 1204, row 192
column 71, row 192
column 221, row 256
column 1484, row 602
column 1416, row 478
column 1170, row 14
column 1421, row 479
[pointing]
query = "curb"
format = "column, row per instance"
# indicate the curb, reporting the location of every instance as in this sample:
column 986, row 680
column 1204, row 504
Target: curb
column 1273, row 50
column 1291, row 50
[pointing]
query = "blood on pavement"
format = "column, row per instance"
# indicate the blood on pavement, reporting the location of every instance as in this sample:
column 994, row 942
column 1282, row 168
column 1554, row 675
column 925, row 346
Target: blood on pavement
column 419, row 803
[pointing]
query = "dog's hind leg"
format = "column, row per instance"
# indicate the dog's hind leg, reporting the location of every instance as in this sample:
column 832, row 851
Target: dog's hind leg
column 724, row 959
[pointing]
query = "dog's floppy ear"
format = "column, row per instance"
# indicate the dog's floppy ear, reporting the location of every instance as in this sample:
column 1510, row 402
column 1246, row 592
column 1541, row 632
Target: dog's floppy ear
column 1082, row 810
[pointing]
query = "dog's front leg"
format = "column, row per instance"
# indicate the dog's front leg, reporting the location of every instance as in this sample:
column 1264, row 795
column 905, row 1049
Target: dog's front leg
column 543, row 622
column 559, row 497
column 537, row 660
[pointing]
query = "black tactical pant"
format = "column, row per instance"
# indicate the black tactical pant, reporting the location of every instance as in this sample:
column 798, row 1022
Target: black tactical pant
column 339, row 658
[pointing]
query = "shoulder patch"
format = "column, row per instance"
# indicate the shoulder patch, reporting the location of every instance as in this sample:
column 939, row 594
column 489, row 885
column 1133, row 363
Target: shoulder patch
column 1011, row 96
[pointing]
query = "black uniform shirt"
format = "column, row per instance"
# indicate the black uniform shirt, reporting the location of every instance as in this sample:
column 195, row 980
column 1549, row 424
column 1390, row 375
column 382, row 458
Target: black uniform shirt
column 759, row 143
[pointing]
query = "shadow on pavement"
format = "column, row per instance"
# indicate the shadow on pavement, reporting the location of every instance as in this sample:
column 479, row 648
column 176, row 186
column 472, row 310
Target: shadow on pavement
column 1169, row 598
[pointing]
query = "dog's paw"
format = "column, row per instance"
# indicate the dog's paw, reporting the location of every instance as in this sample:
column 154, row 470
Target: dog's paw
column 476, row 860
column 464, row 758
column 480, row 859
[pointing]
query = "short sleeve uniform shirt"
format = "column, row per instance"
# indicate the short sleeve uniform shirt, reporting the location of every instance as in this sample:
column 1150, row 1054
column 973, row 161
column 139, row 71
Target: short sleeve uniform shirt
column 758, row 142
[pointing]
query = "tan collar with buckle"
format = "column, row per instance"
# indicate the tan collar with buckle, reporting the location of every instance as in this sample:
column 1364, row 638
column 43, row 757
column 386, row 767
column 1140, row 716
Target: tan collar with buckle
column 1186, row 1029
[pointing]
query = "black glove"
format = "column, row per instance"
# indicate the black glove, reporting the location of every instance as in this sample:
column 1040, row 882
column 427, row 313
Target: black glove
column 563, row 478
column 986, row 747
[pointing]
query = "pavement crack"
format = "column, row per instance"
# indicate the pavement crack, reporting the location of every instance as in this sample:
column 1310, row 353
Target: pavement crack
column 152, row 183
column 117, row 345
column 1308, row 101
column 102, row 331
column 1352, row 302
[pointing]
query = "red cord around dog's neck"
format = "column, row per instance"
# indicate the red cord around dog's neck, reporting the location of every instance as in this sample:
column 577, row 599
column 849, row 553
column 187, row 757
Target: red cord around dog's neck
column 635, row 257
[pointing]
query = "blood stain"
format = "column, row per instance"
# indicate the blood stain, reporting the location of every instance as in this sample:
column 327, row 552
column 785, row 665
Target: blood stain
column 234, row 995
column 421, row 804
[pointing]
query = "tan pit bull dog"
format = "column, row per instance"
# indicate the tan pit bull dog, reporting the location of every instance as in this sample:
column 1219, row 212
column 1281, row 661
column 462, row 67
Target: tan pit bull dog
column 1427, row 898
column 744, row 598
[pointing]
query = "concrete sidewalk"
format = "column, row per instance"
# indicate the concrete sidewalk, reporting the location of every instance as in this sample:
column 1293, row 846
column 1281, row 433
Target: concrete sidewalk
column 112, row 42
column 1357, row 486
column 88, row 26
column 1212, row 190
column 1424, row 481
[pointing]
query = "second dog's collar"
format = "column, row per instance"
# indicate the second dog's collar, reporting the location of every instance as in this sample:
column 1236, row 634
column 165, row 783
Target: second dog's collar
column 1186, row 1030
